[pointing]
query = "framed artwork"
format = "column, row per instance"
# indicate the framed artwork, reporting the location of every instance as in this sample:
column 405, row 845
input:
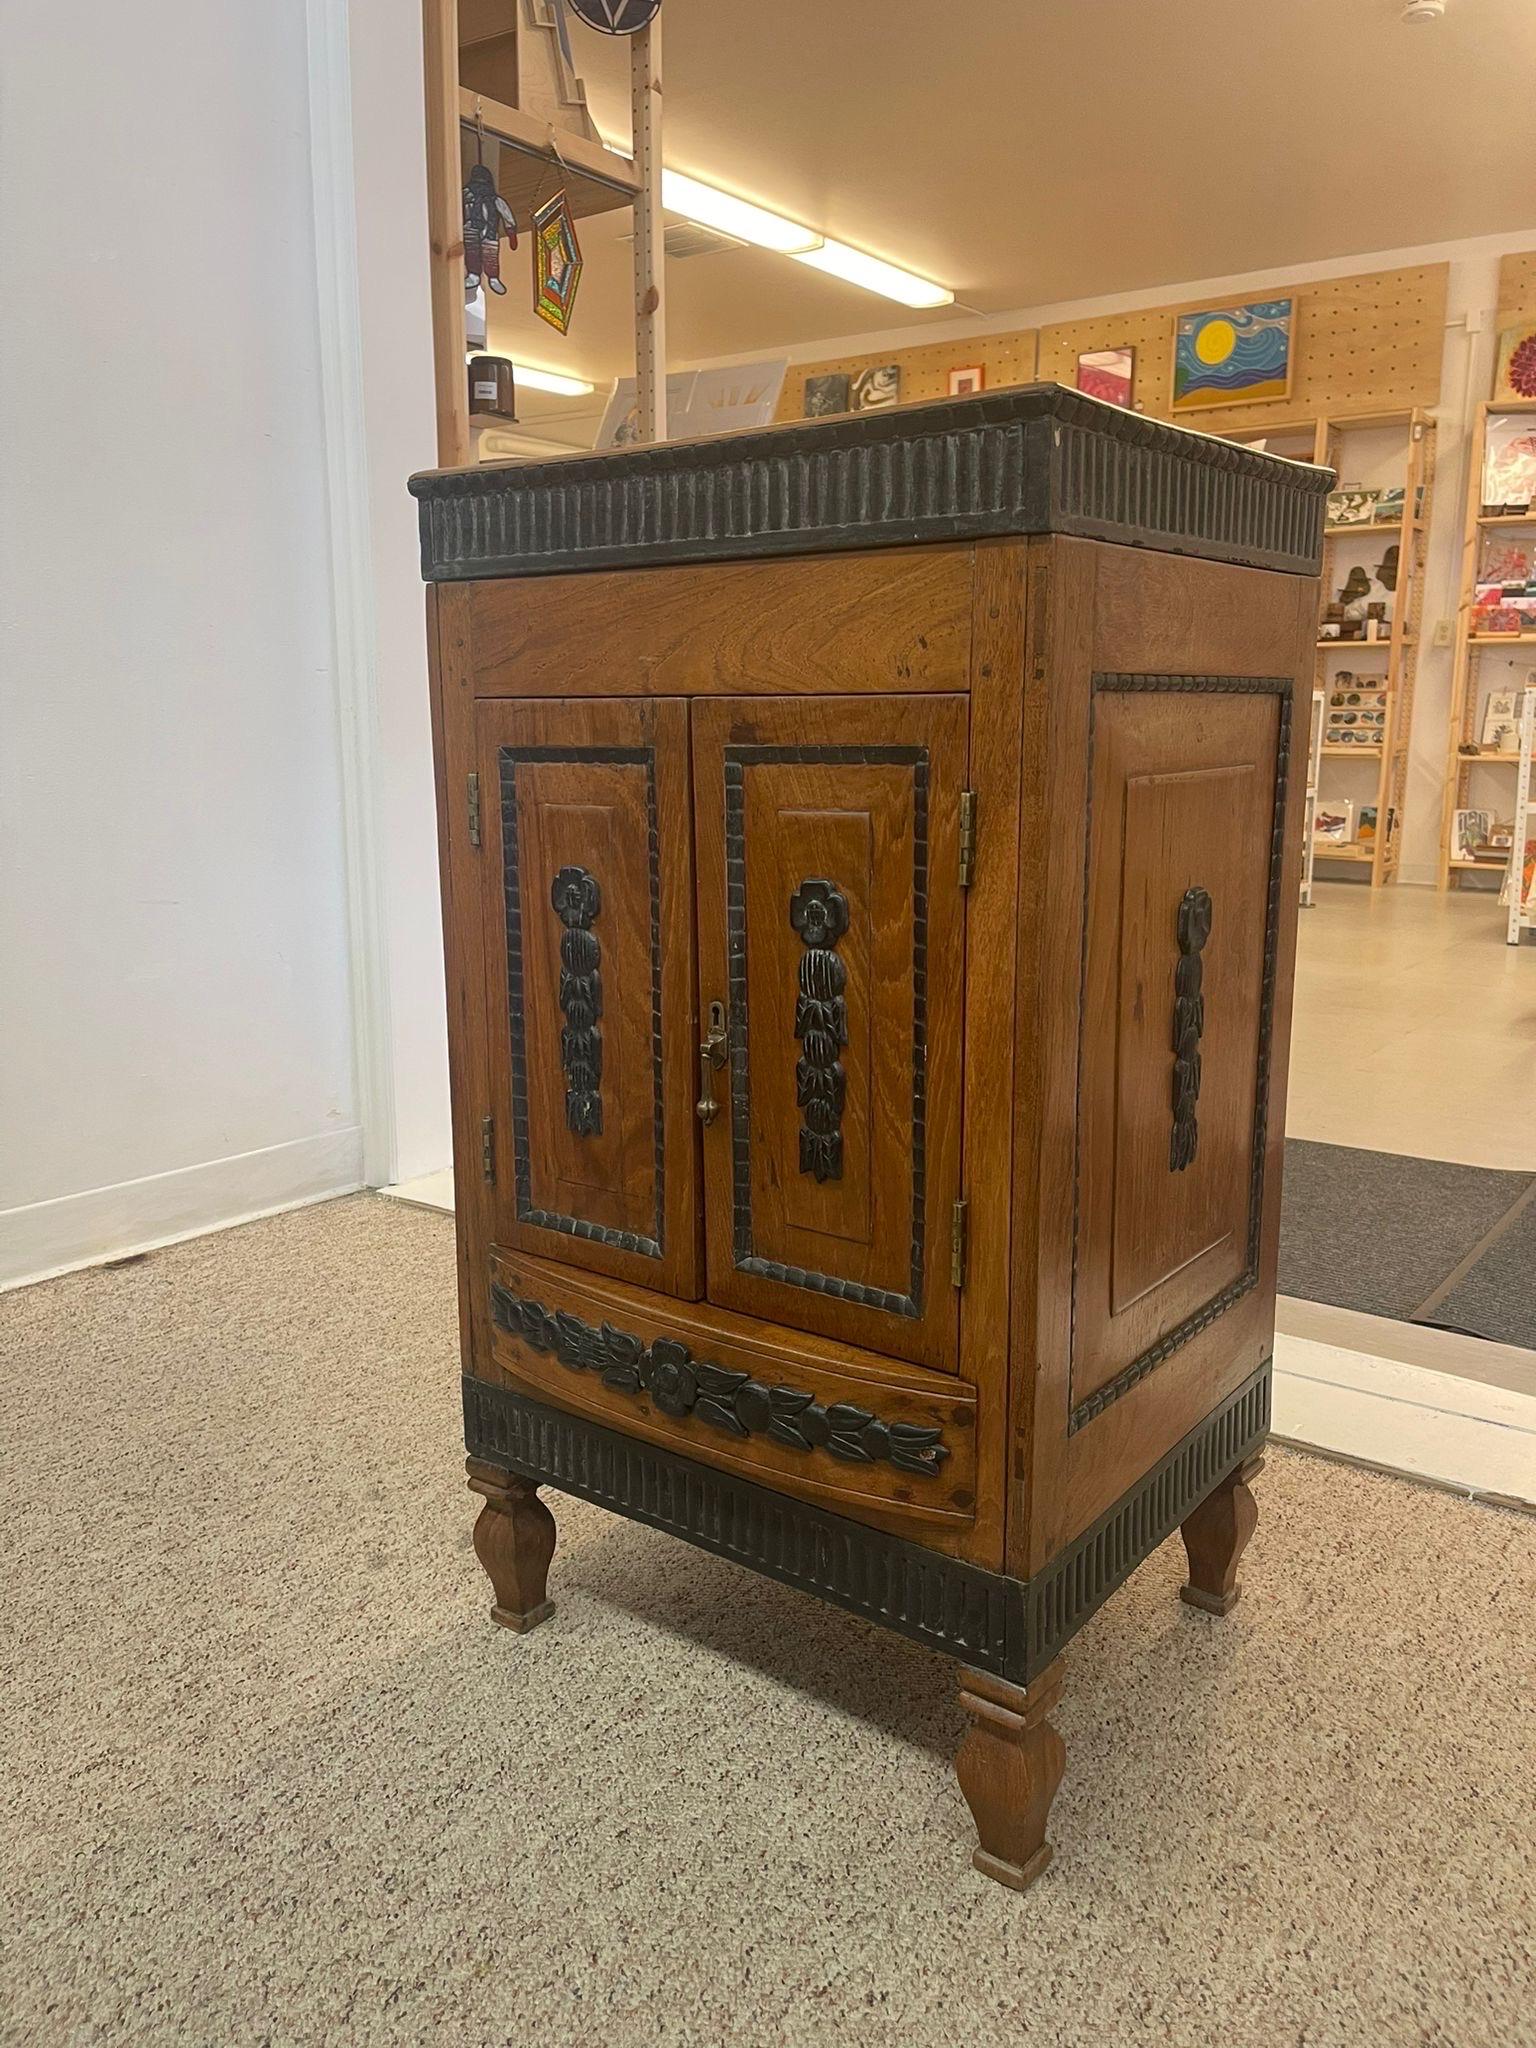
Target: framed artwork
column 1471, row 831
column 1107, row 373
column 966, row 383
column 1515, row 376
column 826, row 395
column 1232, row 355
column 878, row 387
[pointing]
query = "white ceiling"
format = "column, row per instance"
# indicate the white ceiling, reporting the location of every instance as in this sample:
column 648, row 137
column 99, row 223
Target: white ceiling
column 1027, row 152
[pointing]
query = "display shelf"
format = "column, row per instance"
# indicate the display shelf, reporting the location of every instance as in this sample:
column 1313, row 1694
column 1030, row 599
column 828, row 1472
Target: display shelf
column 1353, row 753
column 1352, row 850
column 1489, row 754
column 1467, row 693
column 1386, row 642
column 1370, row 526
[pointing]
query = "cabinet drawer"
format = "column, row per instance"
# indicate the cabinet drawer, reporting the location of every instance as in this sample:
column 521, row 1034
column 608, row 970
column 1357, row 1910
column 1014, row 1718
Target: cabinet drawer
column 879, row 1441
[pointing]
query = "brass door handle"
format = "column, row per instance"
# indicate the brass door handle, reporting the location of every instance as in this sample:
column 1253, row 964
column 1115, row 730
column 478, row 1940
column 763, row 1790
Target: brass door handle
column 711, row 1056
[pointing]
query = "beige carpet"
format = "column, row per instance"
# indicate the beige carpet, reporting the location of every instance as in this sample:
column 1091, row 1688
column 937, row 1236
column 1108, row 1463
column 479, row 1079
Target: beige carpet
column 272, row 1776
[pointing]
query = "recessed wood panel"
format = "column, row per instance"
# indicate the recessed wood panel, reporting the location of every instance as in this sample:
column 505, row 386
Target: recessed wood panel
column 1177, row 981
column 831, row 929
column 584, row 811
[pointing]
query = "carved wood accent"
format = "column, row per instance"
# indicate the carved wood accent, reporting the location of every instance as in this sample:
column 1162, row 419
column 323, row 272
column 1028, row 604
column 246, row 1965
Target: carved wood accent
column 682, row 1383
column 1215, row 1537
column 1009, row 1767
column 577, row 900
column 514, row 1541
column 1193, row 926
column 818, row 911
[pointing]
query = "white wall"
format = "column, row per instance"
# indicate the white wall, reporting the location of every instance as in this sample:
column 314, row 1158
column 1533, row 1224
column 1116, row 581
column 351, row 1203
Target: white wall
column 175, row 1040
column 400, row 426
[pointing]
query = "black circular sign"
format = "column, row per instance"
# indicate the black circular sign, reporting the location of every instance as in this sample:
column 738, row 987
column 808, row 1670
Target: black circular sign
column 616, row 17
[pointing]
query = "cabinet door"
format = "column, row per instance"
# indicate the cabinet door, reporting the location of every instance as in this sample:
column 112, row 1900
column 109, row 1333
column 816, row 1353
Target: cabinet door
column 589, row 940
column 830, row 935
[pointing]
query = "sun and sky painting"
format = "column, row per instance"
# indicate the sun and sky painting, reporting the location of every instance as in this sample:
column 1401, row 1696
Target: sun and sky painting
column 1236, row 355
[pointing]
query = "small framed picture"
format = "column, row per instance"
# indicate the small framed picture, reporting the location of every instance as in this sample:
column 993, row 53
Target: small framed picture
column 966, row 383
column 1107, row 373
column 876, row 388
column 827, row 395
column 1470, row 832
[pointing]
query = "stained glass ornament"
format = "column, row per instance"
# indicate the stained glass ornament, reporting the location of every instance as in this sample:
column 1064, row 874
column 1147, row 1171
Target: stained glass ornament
column 556, row 262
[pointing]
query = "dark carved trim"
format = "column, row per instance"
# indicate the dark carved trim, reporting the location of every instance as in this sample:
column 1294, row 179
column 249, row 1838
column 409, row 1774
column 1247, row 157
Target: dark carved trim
column 818, row 911
column 1036, row 459
column 1010, row 1626
column 681, row 1383
column 737, row 760
column 1193, row 927
column 1148, row 1361
column 577, row 901
column 509, row 759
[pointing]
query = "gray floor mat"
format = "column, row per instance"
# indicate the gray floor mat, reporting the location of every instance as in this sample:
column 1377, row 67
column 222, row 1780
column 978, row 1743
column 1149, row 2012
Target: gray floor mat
column 1379, row 1232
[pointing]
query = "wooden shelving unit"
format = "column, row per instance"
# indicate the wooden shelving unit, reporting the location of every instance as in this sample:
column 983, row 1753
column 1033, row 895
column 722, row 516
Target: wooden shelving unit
column 1326, row 440
column 1467, row 691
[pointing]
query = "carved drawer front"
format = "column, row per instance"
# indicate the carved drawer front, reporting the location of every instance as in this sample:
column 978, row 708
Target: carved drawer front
column 1182, row 906
column 831, row 938
column 588, row 902
column 871, row 1438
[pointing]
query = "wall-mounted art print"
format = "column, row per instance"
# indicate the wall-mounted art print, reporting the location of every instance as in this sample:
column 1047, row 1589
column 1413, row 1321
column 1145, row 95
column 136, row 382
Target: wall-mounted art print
column 966, row 383
column 1232, row 355
column 1515, row 376
column 826, row 396
column 875, row 388
column 1107, row 373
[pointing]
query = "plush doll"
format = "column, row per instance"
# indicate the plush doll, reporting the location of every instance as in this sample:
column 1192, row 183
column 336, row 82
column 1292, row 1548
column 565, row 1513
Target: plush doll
column 485, row 214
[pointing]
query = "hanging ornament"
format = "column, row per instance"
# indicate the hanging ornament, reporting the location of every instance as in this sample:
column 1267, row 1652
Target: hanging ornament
column 486, row 213
column 616, row 17
column 556, row 262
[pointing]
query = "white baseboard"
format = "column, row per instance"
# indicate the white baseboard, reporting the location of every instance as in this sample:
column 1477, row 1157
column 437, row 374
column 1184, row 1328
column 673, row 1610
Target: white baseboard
column 1432, row 1426
column 47, row 1238
column 426, row 1191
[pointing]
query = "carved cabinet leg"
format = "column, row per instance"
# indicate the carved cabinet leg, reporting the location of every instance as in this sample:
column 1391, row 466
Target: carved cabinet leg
column 1009, row 1766
column 514, row 1541
column 1215, row 1536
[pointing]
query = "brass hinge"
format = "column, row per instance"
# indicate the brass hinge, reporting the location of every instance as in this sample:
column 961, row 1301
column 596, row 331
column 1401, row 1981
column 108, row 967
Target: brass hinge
column 967, row 836
column 957, row 1235
column 488, row 1147
column 474, row 810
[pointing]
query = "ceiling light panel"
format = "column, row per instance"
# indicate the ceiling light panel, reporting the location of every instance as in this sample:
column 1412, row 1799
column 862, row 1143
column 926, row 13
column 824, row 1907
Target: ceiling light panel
column 855, row 267
column 733, row 216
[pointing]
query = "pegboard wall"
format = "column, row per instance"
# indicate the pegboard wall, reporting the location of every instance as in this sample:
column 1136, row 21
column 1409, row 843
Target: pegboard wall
column 1006, row 358
column 1360, row 344
column 1517, row 288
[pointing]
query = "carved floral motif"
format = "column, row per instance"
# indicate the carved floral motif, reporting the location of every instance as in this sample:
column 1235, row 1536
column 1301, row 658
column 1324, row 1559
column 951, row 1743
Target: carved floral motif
column 577, row 900
column 818, row 911
column 681, row 1384
column 1194, row 928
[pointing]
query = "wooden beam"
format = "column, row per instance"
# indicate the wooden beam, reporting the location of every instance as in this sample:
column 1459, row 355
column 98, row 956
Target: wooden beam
column 445, row 227
column 650, row 308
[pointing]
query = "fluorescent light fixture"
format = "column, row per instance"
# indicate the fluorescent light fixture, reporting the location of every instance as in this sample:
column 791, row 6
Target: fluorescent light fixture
column 733, row 216
column 549, row 380
column 853, row 265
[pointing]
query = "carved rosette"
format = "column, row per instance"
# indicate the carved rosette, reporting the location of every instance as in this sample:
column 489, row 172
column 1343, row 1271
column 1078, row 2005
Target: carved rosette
column 1194, row 928
column 681, row 1384
column 577, row 901
column 818, row 911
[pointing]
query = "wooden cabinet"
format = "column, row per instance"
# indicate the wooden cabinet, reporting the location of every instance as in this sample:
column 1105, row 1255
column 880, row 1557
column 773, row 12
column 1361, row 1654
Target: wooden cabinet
column 869, row 876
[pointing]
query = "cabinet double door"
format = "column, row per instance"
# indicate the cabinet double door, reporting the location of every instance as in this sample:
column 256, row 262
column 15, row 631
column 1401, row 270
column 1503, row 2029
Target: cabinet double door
column 725, row 946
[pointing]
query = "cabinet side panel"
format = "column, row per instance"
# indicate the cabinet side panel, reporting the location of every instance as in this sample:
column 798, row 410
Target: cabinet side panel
column 460, row 868
column 1167, row 928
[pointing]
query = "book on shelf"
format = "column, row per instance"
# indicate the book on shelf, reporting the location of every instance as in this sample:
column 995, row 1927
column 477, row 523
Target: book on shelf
column 1334, row 824
column 1509, row 465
